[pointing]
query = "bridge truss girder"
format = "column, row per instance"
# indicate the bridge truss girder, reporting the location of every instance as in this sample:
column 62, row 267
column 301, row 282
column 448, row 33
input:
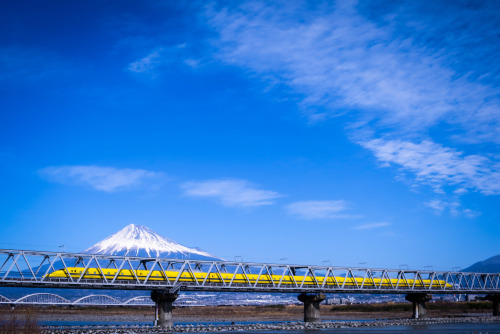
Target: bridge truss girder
column 23, row 268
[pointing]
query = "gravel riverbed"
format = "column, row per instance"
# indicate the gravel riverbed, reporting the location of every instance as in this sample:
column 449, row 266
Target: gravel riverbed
column 257, row 327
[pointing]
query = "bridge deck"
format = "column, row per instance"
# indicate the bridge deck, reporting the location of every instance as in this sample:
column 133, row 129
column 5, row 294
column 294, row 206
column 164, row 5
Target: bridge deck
column 23, row 268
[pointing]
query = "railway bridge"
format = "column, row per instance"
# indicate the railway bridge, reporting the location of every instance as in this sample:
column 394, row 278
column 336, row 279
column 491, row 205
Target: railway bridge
column 165, row 278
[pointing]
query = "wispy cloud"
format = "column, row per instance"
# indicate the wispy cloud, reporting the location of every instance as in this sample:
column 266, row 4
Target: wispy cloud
column 337, row 60
column 372, row 226
column 148, row 63
column 471, row 213
column 341, row 61
column 106, row 179
column 437, row 165
column 319, row 209
column 231, row 192
column 453, row 207
column 156, row 61
column 439, row 205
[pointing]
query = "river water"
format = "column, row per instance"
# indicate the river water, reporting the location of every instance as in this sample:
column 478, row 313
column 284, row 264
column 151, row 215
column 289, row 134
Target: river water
column 430, row 329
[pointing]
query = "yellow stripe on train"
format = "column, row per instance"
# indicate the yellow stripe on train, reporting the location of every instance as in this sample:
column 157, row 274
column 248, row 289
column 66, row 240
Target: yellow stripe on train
column 156, row 275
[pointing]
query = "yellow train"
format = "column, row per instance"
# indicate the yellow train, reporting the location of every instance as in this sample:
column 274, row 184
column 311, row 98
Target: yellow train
column 156, row 275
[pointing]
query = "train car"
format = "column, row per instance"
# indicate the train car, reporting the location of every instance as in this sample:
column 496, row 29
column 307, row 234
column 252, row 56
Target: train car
column 157, row 275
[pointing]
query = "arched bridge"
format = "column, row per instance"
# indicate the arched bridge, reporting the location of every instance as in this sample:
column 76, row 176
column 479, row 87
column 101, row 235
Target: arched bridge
column 101, row 300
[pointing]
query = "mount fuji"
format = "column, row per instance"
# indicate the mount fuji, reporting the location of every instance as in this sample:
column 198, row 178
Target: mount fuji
column 136, row 240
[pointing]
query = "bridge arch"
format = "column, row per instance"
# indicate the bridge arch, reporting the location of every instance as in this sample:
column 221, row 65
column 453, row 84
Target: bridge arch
column 140, row 300
column 5, row 299
column 97, row 300
column 42, row 298
column 187, row 301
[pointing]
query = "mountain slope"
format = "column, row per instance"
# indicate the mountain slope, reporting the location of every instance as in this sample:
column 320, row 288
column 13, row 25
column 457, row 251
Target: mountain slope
column 135, row 240
column 491, row 265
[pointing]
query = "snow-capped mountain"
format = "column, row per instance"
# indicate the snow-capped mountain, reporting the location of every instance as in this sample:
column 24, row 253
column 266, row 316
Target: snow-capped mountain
column 135, row 240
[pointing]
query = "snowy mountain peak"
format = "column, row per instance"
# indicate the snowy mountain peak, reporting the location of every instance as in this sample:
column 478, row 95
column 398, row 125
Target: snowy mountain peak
column 136, row 240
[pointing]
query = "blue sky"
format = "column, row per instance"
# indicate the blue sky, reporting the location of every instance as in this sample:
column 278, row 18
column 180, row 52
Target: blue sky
column 294, row 131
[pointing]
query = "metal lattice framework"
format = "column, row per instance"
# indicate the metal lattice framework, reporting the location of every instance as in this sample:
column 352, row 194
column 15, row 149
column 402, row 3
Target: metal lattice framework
column 22, row 268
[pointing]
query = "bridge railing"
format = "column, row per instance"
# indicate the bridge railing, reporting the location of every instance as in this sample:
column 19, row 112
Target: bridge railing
column 39, row 269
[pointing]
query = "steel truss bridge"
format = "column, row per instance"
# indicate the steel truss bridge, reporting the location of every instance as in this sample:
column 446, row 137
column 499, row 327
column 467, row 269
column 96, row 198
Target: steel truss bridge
column 92, row 300
column 25, row 268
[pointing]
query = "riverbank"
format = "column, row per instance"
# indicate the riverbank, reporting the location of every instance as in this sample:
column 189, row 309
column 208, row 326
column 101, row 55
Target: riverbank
column 250, row 313
column 129, row 320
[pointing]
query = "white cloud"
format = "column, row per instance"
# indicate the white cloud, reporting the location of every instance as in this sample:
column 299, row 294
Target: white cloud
column 193, row 63
column 231, row 192
column 461, row 191
column 160, row 60
column 471, row 213
column 319, row 209
column 337, row 61
column 438, row 205
column 106, row 179
column 340, row 61
column 453, row 207
column 438, row 166
column 371, row 226
column 148, row 63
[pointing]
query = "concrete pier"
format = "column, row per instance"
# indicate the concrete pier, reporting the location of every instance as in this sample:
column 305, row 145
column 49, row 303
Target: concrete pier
column 495, row 298
column 163, row 309
column 418, row 300
column 311, row 306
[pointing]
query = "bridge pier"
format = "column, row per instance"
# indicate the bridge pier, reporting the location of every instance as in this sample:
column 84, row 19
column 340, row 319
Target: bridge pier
column 495, row 298
column 311, row 306
column 163, row 308
column 418, row 300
